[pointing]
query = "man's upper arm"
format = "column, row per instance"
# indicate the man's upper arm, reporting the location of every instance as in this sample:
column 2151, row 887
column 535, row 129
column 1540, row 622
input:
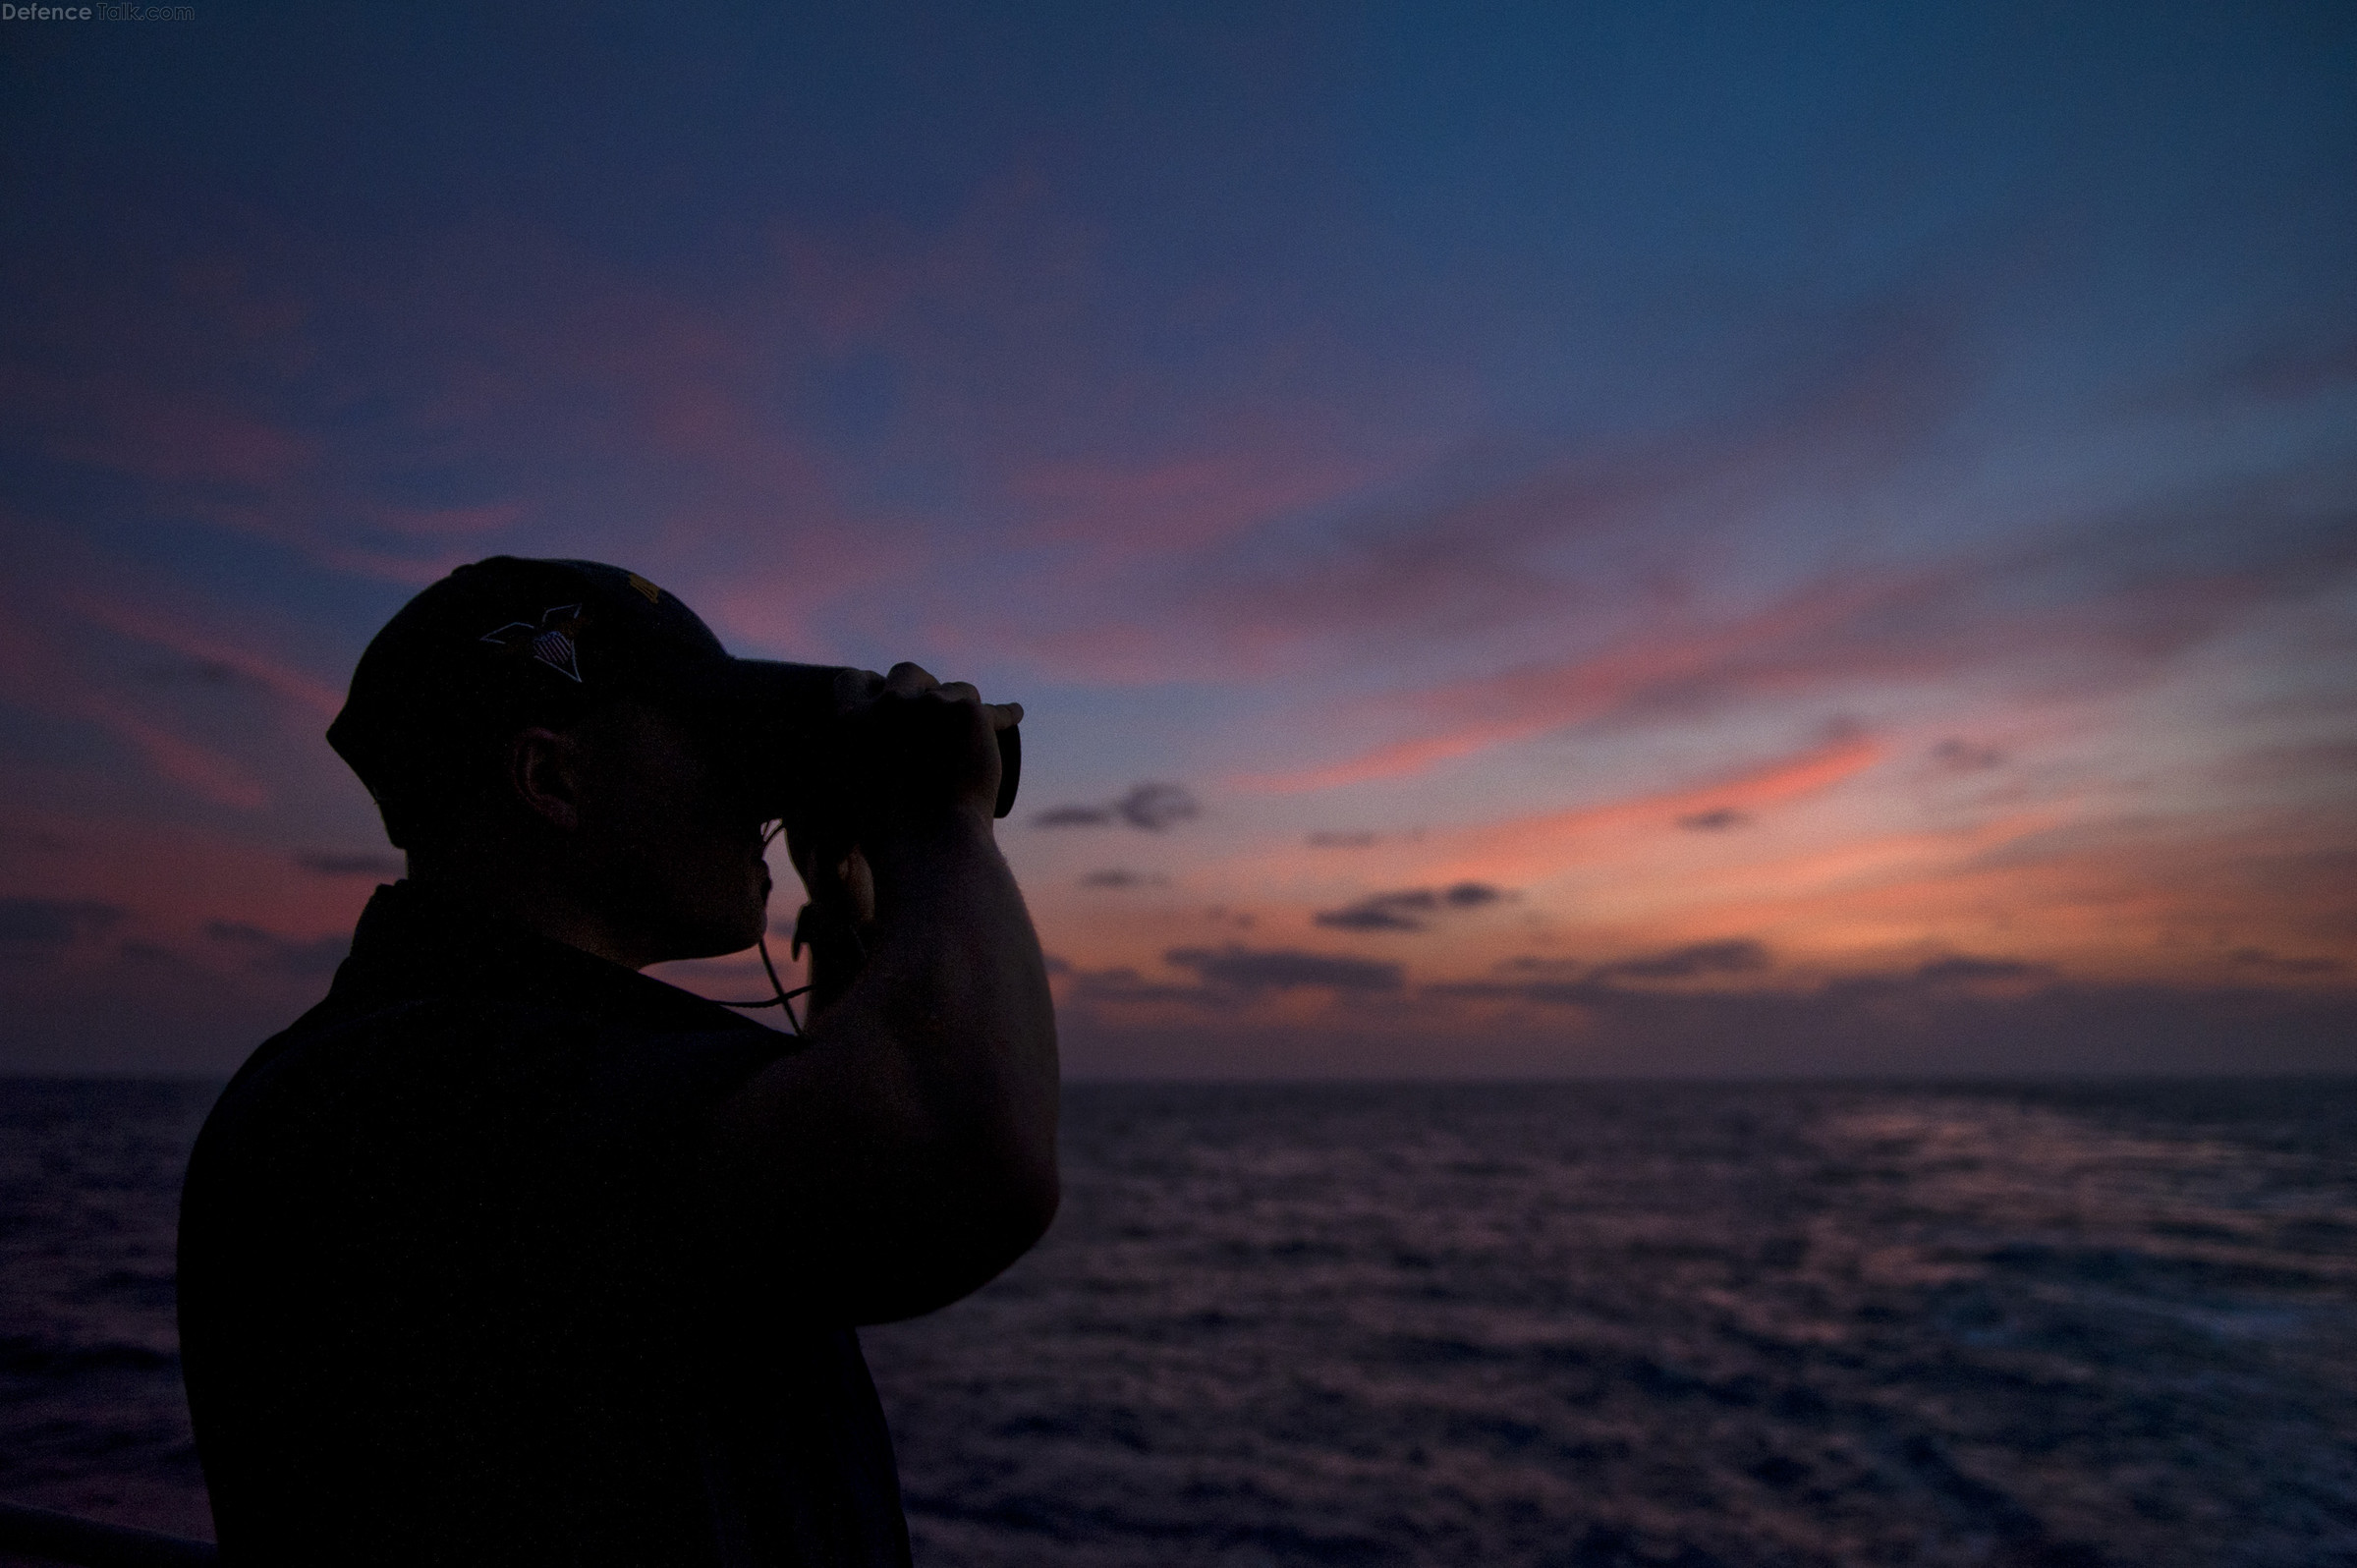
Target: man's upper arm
column 864, row 1190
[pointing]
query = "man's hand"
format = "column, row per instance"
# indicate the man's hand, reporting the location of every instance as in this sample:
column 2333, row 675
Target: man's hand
column 924, row 748
column 920, row 747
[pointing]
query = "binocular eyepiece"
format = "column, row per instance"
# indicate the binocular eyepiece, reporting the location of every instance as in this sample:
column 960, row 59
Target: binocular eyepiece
column 794, row 744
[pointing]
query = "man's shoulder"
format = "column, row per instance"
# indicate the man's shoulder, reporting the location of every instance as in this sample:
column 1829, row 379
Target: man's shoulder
column 446, row 1037
column 490, row 1063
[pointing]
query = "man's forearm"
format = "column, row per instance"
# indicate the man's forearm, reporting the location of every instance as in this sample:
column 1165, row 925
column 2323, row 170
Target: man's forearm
column 955, row 985
column 911, row 1146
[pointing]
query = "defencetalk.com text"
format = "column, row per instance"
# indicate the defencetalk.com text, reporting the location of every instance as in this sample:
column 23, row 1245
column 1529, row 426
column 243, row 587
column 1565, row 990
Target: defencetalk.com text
column 121, row 13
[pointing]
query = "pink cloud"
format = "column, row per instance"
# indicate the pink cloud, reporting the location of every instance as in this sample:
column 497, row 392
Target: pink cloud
column 177, row 880
column 1956, row 620
column 449, row 522
column 1119, row 512
column 312, row 695
column 38, row 675
column 1484, row 543
column 1534, row 700
column 140, row 425
column 1526, row 846
column 202, row 771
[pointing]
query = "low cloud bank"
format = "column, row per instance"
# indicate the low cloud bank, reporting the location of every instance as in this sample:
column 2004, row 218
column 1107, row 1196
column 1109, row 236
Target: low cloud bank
column 1248, row 970
column 33, row 925
column 1117, row 878
column 384, row 868
column 1706, row 1010
column 274, row 954
column 1149, row 808
column 1410, row 909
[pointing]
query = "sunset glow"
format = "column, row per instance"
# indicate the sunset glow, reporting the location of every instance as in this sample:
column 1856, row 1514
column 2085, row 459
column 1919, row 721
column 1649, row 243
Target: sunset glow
column 1752, row 541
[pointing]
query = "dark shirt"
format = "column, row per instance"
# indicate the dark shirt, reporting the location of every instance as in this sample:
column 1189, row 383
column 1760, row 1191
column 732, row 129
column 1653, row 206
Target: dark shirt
column 447, row 1295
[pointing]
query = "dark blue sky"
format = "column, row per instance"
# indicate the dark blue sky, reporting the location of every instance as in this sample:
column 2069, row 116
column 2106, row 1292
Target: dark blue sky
column 1920, row 444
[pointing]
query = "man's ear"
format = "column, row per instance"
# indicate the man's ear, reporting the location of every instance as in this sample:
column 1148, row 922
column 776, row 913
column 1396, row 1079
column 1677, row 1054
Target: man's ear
column 545, row 771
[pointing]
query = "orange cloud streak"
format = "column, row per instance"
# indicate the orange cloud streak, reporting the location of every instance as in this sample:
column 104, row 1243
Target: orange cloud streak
column 1520, row 848
column 1532, row 701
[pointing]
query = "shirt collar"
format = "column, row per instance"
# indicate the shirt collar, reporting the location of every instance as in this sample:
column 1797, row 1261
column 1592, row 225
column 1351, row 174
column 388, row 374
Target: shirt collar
column 417, row 939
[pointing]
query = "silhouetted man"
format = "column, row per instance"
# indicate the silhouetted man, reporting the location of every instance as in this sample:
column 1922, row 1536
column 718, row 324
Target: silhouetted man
column 508, row 1253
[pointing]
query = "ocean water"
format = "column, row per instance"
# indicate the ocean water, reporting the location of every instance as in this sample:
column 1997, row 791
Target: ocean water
column 1558, row 1326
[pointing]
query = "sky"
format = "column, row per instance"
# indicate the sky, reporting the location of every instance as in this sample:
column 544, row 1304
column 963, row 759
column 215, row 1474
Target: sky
column 1647, row 538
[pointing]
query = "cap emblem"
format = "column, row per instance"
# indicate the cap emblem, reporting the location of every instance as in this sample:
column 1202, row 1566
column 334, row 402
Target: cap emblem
column 553, row 643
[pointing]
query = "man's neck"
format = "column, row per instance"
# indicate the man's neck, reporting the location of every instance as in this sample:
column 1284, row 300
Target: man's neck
column 514, row 894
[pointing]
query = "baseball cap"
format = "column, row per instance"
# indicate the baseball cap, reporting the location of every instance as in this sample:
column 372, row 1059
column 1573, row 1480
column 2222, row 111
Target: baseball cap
column 507, row 642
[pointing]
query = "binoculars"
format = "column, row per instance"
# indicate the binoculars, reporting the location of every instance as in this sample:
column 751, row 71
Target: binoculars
column 793, row 743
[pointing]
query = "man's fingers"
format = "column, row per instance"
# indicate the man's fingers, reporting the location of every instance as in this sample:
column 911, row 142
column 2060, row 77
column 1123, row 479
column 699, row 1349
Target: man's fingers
column 910, row 680
column 916, row 750
column 856, row 688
